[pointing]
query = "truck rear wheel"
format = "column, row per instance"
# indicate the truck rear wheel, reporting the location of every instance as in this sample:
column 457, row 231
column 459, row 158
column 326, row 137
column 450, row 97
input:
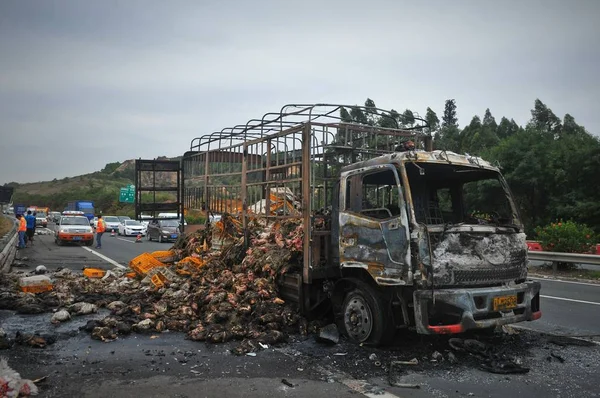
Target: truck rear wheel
column 364, row 316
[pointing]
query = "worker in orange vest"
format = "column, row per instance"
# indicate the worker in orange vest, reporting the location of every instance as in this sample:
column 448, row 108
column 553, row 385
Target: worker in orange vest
column 22, row 229
column 100, row 228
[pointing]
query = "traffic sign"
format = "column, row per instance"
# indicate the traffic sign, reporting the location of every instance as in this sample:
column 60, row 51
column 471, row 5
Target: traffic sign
column 127, row 195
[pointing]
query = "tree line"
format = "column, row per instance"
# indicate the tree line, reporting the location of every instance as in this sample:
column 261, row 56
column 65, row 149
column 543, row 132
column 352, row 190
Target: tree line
column 551, row 164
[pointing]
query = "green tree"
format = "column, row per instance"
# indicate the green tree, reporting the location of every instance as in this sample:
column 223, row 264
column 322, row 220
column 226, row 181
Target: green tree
column 449, row 118
column 544, row 120
column 432, row 119
column 506, row 128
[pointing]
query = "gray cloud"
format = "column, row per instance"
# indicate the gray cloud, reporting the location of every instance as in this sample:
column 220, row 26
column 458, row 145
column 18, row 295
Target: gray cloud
column 124, row 79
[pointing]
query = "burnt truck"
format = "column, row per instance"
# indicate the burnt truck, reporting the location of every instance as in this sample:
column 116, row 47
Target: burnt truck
column 395, row 234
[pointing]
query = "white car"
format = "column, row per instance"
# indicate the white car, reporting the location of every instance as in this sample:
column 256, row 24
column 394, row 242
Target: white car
column 131, row 227
column 112, row 223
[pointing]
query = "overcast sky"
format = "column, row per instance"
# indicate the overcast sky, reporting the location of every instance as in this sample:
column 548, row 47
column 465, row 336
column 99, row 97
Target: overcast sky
column 85, row 83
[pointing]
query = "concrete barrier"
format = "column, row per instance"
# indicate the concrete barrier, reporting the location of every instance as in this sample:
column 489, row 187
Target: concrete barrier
column 8, row 247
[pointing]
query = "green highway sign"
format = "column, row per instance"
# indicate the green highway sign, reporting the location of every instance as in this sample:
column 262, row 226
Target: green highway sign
column 127, row 195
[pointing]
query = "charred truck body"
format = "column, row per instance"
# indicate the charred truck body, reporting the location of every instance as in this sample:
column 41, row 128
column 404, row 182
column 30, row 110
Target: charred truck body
column 395, row 236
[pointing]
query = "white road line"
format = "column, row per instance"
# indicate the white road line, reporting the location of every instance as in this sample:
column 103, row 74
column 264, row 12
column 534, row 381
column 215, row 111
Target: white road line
column 126, row 240
column 563, row 281
column 568, row 299
column 103, row 257
column 359, row 386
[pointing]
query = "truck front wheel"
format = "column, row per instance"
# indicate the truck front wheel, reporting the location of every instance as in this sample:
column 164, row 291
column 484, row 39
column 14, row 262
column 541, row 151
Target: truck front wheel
column 364, row 316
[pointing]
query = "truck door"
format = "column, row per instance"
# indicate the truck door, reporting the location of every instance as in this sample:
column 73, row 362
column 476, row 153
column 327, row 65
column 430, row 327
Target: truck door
column 374, row 232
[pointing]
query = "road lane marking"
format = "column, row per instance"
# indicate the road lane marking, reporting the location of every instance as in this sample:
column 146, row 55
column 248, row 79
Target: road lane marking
column 126, row 240
column 360, row 386
column 568, row 299
column 563, row 281
column 103, row 257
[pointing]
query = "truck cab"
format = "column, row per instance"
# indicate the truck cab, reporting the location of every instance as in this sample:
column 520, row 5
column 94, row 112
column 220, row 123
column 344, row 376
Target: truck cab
column 444, row 224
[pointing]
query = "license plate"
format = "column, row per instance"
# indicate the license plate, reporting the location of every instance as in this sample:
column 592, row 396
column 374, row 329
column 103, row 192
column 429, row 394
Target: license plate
column 173, row 236
column 77, row 238
column 505, row 302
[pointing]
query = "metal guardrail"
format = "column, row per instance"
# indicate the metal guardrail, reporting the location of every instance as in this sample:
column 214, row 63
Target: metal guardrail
column 576, row 258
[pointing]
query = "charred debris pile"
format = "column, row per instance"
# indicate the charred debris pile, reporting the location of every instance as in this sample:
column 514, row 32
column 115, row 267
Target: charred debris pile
column 212, row 296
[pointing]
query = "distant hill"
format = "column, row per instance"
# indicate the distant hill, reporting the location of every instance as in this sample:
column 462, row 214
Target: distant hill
column 101, row 186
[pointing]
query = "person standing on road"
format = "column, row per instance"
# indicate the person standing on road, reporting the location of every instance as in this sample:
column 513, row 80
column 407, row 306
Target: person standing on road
column 100, row 228
column 30, row 221
column 22, row 229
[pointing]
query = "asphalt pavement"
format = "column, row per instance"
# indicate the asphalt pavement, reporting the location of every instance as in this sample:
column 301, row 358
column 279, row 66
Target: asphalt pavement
column 569, row 308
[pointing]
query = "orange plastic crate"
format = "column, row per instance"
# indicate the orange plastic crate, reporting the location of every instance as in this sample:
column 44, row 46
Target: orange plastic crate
column 158, row 279
column 144, row 263
column 94, row 272
column 36, row 288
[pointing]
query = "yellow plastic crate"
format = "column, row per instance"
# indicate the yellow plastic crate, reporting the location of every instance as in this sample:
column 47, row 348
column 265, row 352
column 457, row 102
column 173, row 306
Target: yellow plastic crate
column 158, row 279
column 165, row 256
column 144, row 263
column 94, row 272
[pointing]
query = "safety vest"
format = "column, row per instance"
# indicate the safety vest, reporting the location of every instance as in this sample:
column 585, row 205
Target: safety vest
column 22, row 224
column 101, row 227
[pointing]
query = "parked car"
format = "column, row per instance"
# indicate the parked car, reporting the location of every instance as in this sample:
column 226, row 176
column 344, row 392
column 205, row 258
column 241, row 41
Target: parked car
column 163, row 230
column 131, row 227
column 112, row 223
column 74, row 229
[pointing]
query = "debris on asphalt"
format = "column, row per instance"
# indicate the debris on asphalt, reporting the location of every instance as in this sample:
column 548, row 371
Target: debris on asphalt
column 412, row 362
column 212, row 296
column 287, row 383
column 5, row 342
column 490, row 360
column 437, row 356
column 41, row 270
column 373, row 357
column 329, row 334
column 560, row 359
column 60, row 316
column 35, row 284
column 11, row 383
column 34, row 339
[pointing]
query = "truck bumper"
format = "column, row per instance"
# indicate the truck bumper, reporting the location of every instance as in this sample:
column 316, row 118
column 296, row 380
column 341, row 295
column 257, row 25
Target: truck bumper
column 446, row 311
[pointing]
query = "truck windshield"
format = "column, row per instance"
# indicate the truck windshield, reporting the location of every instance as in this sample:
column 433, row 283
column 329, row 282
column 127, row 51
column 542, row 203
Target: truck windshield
column 454, row 194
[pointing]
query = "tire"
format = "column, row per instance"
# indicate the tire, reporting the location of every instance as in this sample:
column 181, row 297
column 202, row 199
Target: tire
column 364, row 316
column 160, row 239
column 89, row 242
column 58, row 242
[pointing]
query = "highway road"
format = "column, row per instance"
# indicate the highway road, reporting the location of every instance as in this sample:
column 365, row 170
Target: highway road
column 569, row 308
column 169, row 365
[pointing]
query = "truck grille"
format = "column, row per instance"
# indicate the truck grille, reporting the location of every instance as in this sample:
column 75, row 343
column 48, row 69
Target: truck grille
column 487, row 275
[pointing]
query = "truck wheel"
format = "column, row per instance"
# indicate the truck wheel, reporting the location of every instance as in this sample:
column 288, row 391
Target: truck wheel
column 364, row 316
column 160, row 239
column 148, row 236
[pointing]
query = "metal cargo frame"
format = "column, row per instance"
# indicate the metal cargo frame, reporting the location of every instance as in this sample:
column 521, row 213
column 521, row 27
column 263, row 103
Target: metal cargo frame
column 292, row 156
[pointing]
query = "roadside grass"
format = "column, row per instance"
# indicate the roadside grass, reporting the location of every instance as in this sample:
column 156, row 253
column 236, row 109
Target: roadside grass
column 5, row 225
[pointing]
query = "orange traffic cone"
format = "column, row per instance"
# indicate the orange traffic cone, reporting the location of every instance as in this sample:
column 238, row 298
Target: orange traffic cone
column 138, row 239
column 112, row 232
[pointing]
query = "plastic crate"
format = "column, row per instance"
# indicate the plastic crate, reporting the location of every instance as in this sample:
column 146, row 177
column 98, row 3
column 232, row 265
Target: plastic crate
column 165, row 256
column 94, row 272
column 144, row 263
column 158, row 279
column 37, row 288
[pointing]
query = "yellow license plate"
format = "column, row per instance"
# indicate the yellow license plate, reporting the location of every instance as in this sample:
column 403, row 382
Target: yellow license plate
column 505, row 303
